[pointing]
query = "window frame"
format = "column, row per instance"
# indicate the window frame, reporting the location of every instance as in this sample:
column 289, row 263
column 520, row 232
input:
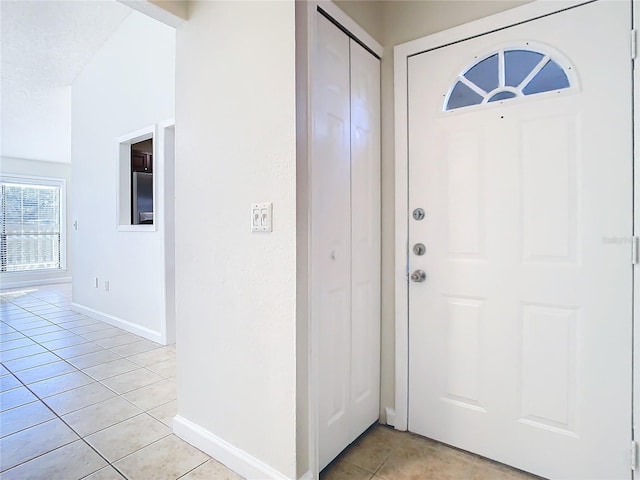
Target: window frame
column 60, row 183
column 466, row 64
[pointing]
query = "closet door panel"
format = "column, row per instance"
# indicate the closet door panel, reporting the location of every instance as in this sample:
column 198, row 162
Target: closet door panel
column 331, row 242
column 365, row 239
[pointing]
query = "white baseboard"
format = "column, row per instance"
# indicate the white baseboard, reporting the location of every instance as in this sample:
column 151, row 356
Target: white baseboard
column 34, row 283
column 307, row 476
column 237, row 460
column 391, row 416
column 119, row 322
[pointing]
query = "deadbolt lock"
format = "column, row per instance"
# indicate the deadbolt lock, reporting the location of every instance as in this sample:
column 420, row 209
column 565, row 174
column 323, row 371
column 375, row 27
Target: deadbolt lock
column 418, row 214
column 419, row 249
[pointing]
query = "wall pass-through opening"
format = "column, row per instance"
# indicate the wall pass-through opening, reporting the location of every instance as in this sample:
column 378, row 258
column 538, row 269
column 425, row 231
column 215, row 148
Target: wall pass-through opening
column 142, row 182
column 136, row 180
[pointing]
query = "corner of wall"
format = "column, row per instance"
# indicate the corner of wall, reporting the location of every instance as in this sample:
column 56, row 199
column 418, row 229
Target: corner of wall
column 232, row 457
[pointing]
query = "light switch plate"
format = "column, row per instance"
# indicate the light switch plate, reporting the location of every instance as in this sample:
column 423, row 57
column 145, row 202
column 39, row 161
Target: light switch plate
column 261, row 215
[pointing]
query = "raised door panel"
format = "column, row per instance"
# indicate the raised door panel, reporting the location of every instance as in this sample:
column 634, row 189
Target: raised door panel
column 330, row 244
column 520, row 340
column 365, row 239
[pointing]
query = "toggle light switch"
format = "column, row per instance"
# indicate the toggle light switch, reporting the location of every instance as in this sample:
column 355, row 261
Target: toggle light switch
column 261, row 214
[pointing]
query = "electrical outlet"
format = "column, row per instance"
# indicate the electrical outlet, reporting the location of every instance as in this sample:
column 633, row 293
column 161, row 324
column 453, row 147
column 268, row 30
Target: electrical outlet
column 106, row 285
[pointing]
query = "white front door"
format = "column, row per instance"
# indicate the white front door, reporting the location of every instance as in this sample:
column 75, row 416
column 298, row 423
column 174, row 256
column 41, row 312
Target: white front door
column 520, row 336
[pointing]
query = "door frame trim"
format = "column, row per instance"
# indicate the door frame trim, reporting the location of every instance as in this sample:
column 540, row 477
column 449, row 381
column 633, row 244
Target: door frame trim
column 401, row 54
column 635, row 17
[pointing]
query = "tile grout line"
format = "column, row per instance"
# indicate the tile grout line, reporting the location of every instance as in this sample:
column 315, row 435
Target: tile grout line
column 80, row 437
column 66, row 360
column 393, row 450
column 118, row 395
column 60, row 446
column 194, row 468
column 143, row 365
column 353, row 446
column 95, row 380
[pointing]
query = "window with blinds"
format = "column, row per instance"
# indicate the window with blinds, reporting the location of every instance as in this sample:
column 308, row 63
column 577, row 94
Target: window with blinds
column 31, row 225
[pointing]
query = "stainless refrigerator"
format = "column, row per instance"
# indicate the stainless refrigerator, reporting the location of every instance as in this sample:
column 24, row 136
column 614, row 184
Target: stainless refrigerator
column 142, row 201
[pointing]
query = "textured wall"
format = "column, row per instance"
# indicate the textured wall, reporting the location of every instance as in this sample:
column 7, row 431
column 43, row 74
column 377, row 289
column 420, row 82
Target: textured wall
column 236, row 290
column 127, row 86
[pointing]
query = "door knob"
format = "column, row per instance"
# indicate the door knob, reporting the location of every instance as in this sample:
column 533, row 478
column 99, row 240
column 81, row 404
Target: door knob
column 418, row 276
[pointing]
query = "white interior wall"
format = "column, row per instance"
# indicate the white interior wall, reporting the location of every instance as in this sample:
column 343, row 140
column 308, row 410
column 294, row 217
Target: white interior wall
column 369, row 14
column 39, row 125
column 236, row 290
column 21, row 166
column 128, row 85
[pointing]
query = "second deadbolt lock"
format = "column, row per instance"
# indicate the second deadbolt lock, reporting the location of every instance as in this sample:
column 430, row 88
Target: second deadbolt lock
column 418, row 214
column 419, row 249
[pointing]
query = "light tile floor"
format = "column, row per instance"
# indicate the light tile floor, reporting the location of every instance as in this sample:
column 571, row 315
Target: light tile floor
column 382, row 453
column 80, row 399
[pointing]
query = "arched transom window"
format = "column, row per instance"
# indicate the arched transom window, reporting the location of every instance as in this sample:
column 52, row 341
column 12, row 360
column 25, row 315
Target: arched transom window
column 506, row 74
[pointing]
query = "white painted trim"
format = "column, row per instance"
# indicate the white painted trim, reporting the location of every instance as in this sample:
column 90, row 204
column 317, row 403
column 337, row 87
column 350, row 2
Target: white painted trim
column 32, row 179
column 139, row 135
column 168, row 123
column 137, row 228
column 401, row 241
column 304, row 407
column 34, row 283
column 304, row 186
column 390, row 413
column 123, row 180
column 402, row 52
column 349, row 24
column 635, row 431
column 157, row 12
column 314, row 382
column 232, row 457
column 118, row 322
column 61, row 183
column 166, row 221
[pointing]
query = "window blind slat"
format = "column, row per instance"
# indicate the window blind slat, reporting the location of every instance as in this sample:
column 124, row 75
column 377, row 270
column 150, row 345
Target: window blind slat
column 30, row 223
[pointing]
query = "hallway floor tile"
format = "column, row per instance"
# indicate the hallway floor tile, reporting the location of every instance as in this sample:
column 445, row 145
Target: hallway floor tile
column 382, row 453
column 81, row 399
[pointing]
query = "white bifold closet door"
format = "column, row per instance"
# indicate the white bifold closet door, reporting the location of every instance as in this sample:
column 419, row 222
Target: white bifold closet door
column 345, row 237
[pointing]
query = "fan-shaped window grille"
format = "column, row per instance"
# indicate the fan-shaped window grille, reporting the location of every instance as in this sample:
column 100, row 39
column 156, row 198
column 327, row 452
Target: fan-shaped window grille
column 506, row 74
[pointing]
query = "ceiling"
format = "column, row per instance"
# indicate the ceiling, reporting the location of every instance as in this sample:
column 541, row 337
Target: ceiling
column 44, row 46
